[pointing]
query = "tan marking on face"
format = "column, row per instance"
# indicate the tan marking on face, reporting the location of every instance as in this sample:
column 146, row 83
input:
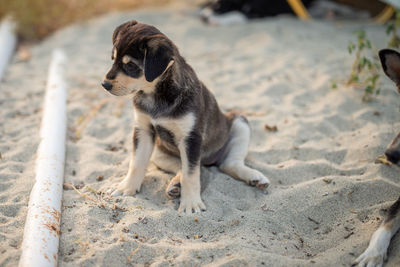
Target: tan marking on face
column 114, row 53
column 125, row 85
column 126, row 59
column 169, row 65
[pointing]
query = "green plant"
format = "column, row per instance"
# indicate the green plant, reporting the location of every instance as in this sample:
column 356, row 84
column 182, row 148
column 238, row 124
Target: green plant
column 365, row 69
column 391, row 29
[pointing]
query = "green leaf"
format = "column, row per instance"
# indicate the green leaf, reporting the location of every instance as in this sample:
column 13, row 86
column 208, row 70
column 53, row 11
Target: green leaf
column 397, row 14
column 389, row 28
column 361, row 34
column 369, row 89
column 369, row 44
column 351, row 47
column 375, row 78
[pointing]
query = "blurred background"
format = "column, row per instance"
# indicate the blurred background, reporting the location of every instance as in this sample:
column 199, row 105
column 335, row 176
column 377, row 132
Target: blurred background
column 38, row 18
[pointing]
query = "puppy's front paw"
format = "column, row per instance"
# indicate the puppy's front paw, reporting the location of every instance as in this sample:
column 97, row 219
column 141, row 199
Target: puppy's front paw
column 376, row 252
column 259, row 180
column 127, row 187
column 371, row 257
column 190, row 203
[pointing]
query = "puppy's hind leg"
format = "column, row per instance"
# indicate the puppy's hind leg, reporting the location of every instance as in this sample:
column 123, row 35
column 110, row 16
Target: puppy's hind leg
column 165, row 162
column 376, row 252
column 233, row 163
column 174, row 187
column 171, row 164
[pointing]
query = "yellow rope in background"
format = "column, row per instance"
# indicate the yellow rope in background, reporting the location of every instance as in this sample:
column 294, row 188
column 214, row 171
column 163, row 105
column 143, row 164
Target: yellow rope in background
column 299, row 9
column 385, row 15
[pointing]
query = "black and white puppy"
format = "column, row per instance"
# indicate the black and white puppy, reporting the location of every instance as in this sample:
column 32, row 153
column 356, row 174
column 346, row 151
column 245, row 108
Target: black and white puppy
column 175, row 115
column 376, row 252
column 225, row 12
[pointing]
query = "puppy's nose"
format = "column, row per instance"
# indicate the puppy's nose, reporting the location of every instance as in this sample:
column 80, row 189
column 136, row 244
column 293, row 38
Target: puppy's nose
column 107, row 85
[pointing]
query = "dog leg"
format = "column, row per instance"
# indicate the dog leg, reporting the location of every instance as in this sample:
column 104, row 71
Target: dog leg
column 376, row 252
column 174, row 187
column 233, row 163
column 171, row 164
column 165, row 162
column 189, row 149
column 143, row 142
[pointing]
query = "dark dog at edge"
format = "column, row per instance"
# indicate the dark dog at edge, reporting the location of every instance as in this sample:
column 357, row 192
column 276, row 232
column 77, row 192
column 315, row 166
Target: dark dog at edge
column 376, row 252
column 175, row 115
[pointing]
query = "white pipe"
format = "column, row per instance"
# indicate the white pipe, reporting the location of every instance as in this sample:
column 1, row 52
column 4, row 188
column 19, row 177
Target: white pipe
column 42, row 227
column 8, row 41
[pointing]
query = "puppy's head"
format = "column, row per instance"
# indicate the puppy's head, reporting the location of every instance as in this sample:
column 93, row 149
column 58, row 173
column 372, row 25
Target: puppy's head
column 390, row 61
column 141, row 54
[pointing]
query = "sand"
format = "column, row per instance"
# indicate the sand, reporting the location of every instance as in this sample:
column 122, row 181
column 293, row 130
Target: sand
column 326, row 194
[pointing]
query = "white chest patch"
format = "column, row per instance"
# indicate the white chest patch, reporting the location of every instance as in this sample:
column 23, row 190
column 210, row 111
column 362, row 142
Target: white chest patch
column 180, row 127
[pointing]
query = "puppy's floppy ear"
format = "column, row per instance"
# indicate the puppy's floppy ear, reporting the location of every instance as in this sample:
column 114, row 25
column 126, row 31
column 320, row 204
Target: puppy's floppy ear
column 122, row 27
column 390, row 61
column 158, row 55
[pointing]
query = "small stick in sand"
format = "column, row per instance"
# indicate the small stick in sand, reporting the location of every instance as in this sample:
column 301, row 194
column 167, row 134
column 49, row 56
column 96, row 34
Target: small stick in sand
column 83, row 194
column 312, row 220
column 82, row 244
column 128, row 260
column 83, row 121
column 348, row 235
column 349, row 196
column 270, row 128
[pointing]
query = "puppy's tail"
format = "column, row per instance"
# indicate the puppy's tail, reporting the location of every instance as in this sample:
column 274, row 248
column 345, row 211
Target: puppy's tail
column 233, row 114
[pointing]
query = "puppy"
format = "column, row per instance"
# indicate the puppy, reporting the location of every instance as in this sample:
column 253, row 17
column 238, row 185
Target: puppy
column 376, row 252
column 226, row 12
column 175, row 115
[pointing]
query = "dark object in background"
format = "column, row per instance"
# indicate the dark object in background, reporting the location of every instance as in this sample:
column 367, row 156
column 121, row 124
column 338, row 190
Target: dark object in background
column 374, row 7
column 253, row 8
column 238, row 11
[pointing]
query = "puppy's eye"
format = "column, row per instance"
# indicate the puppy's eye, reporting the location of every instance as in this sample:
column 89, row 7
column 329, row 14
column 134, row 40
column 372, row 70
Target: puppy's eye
column 131, row 69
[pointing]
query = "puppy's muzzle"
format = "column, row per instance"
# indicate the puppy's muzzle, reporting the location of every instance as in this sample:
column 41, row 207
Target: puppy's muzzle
column 107, row 85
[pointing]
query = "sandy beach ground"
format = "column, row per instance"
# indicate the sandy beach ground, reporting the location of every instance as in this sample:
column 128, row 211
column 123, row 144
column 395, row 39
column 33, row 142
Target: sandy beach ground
column 326, row 194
